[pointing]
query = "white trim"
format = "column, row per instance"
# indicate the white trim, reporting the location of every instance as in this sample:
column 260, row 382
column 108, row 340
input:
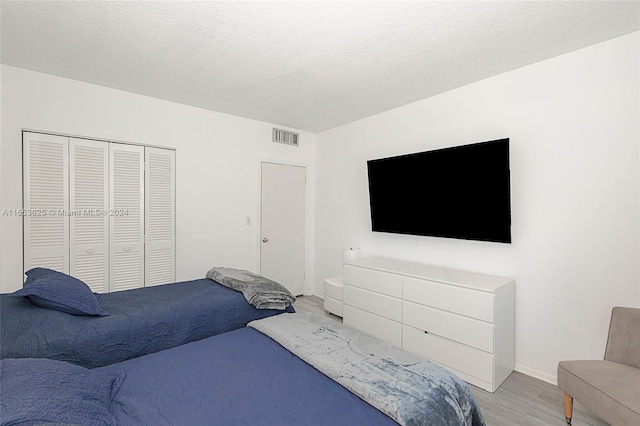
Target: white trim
column 536, row 374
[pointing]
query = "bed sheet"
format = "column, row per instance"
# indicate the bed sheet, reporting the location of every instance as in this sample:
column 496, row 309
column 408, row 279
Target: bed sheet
column 142, row 321
column 237, row 378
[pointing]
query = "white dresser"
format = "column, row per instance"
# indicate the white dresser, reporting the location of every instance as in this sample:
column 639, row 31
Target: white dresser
column 461, row 320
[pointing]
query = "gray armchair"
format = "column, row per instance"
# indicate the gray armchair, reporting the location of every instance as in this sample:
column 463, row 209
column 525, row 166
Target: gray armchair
column 610, row 387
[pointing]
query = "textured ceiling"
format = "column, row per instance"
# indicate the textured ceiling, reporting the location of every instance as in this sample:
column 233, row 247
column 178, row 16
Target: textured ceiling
column 308, row 65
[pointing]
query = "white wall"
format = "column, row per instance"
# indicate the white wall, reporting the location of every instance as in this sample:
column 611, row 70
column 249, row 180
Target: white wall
column 574, row 128
column 217, row 164
column 573, row 122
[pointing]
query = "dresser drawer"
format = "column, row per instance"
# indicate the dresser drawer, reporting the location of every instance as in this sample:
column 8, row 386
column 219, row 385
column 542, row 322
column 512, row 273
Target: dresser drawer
column 465, row 301
column 372, row 324
column 370, row 279
column 468, row 360
column 462, row 329
column 385, row 306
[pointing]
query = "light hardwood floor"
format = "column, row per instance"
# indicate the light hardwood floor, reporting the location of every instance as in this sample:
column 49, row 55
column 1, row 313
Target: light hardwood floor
column 521, row 400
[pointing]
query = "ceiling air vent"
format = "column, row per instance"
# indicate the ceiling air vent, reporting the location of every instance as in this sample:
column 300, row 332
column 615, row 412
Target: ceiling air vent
column 283, row 136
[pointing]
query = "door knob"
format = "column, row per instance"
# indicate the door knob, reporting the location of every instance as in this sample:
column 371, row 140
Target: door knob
column 265, row 240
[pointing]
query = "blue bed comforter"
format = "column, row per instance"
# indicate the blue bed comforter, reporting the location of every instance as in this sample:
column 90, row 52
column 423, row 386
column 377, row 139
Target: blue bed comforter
column 237, row 378
column 142, row 321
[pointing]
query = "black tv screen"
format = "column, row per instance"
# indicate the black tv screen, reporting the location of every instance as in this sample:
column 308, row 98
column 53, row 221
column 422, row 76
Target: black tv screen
column 461, row 192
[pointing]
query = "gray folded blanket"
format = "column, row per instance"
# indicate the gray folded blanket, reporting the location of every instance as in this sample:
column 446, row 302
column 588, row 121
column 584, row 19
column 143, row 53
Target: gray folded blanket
column 409, row 389
column 259, row 291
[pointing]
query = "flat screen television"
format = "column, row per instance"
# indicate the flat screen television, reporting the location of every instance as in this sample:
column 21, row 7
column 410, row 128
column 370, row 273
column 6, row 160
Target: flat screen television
column 460, row 192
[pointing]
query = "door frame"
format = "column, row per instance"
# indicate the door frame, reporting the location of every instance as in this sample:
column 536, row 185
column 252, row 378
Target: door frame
column 308, row 255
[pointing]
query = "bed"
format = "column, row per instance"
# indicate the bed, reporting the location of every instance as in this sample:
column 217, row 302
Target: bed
column 140, row 321
column 289, row 369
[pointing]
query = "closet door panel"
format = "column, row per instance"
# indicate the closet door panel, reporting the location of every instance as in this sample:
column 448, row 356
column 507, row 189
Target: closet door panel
column 160, row 216
column 100, row 211
column 46, row 200
column 126, row 216
column 89, row 220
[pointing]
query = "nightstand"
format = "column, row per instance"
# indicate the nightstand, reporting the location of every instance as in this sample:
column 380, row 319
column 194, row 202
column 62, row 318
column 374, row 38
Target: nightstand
column 333, row 295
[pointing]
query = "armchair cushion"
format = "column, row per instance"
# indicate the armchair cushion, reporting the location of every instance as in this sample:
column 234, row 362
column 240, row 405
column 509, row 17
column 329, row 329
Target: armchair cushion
column 609, row 389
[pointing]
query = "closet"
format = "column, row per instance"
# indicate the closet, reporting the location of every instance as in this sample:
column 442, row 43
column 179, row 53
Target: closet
column 101, row 211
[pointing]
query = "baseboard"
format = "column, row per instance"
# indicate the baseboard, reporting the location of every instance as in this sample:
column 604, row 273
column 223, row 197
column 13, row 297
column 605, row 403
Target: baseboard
column 537, row 374
column 321, row 296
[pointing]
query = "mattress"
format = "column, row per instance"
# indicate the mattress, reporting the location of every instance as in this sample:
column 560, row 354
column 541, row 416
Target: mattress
column 277, row 371
column 142, row 321
column 237, row 378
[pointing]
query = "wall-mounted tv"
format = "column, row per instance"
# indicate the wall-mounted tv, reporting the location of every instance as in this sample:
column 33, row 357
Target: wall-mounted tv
column 460, row 192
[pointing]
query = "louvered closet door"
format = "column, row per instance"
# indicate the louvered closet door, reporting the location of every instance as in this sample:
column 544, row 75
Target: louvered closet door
column 46, row 199
column 126, row 218
column 89, row 220
column 160, row 216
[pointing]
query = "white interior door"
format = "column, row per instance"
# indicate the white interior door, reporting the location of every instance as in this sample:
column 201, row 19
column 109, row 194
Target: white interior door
column 46, row 201
column 126, row 216
column 283, row 205
column 160, row 216
column 89, row 219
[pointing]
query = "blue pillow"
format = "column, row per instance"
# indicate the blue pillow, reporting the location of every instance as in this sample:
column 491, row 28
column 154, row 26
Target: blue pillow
column 54, row 290
column 36, row 391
